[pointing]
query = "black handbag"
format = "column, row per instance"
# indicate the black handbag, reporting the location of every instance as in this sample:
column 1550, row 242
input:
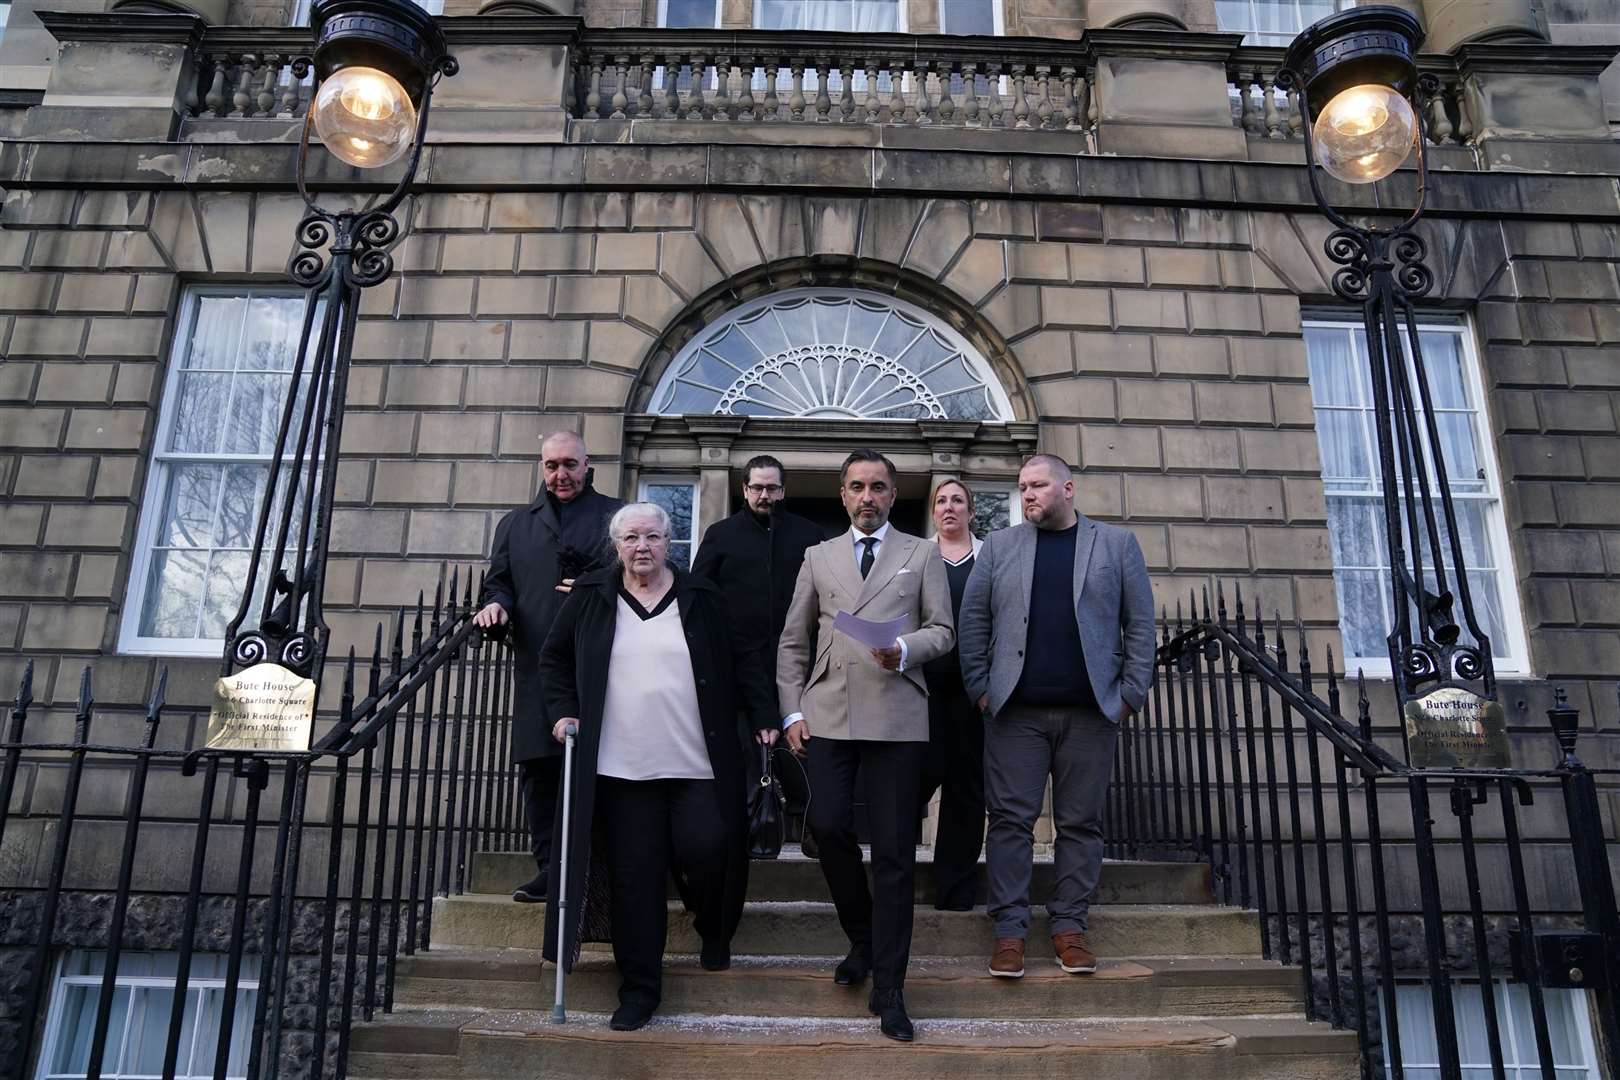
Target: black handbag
column 767, row 821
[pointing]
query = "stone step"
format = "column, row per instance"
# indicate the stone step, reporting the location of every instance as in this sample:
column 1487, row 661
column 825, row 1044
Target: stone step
column 794, row 877
column 412, row 1045
column 808, row 928
column 946, row 987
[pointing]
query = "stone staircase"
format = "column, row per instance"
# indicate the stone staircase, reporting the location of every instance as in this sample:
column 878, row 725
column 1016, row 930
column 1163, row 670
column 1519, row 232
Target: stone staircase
column 1182, row 992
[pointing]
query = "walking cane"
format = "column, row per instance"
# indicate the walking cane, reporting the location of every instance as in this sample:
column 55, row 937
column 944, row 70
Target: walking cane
column 558, row 1015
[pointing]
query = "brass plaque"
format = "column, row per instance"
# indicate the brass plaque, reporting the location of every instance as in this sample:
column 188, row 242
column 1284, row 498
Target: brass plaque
column 265, row 707
column 1452, row 728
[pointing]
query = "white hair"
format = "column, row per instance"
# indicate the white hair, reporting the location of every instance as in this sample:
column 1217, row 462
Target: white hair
column 617, row 522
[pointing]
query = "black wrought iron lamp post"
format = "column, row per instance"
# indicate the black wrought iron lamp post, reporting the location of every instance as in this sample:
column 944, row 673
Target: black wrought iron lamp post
column 1363, row 101
column 375, row 64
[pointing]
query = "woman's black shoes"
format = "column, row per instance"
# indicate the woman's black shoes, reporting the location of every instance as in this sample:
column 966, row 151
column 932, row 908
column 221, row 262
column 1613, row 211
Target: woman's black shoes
column 631, row 1016
column 889, row 1006
column 534, row 892
column 716, row 956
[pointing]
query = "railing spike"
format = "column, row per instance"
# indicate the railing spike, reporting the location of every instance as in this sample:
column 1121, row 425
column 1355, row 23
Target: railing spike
column 1304, row 646
column 154, row 705
column 1206, row 603
column 1282, row 645
column 1179, row 626
column 374, row 680
column 25, row 691
column 455, row 590
column 397, row 652
column 1237, row 595
column 1220, row 602
column 1164, row 624
column 81, row 725
column 438, row 604
column 347, row 704
column 467, row 606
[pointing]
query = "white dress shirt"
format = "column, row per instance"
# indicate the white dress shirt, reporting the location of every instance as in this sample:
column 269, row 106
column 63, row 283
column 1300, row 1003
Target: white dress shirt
column 856, row 549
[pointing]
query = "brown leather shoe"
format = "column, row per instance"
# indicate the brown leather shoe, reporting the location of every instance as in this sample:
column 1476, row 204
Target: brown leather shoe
column 1074, row 953
column 1007, row 962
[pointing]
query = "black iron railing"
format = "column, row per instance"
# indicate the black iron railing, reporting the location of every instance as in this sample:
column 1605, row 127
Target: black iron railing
column 324, row 888
column 1367, row 874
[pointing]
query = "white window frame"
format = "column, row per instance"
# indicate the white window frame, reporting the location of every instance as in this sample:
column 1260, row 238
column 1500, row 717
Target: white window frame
column 300, row 14
column 678, row 480
column 998, row 17
column 130, row 640
column 1516, row 1060
column 1252, row 35
column 61, row 983
column 5, row 15
column 1515, row 659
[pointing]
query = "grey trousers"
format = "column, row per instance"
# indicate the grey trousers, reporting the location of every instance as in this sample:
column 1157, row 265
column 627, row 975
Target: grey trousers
column 1022, row 746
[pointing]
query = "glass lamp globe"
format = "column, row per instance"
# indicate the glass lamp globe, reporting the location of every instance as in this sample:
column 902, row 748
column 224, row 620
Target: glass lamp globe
column 1364, row 133
column 365, row 117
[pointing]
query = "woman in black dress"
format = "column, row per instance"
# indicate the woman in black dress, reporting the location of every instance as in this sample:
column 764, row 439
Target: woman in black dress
column 955, row 729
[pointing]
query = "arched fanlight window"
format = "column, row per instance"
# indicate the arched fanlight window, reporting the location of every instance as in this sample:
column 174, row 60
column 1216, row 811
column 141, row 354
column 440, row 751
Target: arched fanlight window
column 838, row 354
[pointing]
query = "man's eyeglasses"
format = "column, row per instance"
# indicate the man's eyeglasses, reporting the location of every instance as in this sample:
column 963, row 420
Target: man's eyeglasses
column 763, row 489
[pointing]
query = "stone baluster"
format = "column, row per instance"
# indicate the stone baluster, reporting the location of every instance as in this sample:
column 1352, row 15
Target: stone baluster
column 946, row 108
column 242, row 99
column 290, row 95
column 723, row 105
column 824, row 69
column 1465, row 123
column 665, row 76
column 1020, row 99
column 267, row 85
column 1068, row 111
column 897, row 97
column 621, row 99
column 772, row 103
column 696, row 106
column 970, row 94
column 1044, row 109
column 745, row 88
column 1439, row 122
column 1296, row 119
column 593, row 95
column 925, row 106
column 874, row 105
column 846, row 97
column 998, row 105
column 796, row 102
column 1251, row 116
column 1275, row 128
column 1093, row 107
column 190, row 92
column 644, row 98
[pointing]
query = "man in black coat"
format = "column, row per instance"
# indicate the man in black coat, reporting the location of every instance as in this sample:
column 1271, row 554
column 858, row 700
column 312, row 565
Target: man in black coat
column 538, row 552
column 754, row 557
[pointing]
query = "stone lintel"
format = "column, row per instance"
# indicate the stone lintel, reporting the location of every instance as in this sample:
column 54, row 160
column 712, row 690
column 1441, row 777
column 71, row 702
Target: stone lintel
column 125, row 29
column 1187, row 45
column 1536, row 57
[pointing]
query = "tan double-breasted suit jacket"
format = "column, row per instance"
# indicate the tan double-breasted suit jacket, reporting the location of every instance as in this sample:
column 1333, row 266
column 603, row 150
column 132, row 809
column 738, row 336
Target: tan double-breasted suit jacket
column 843, row 692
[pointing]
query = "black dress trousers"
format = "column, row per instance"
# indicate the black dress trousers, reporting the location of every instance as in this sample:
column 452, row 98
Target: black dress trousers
column 876, row 918
column 955, row 768
column 650, row 827
column 542, row 783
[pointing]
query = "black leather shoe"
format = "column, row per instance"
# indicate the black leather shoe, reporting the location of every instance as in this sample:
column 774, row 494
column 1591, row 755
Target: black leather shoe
column 889, row 1006
column 631, row 1016
column 853, row 969
column 716, row 956
column 534, row 892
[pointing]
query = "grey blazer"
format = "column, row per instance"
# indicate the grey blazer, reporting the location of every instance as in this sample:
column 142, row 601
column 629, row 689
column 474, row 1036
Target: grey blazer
column 843, row 692
column 1113, row 605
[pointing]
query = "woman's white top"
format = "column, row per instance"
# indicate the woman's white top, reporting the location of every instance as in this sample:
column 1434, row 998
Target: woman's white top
column 650, row 724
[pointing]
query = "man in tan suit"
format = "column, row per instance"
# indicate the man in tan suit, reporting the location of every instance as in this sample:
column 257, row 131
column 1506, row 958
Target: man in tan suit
column 851, row 708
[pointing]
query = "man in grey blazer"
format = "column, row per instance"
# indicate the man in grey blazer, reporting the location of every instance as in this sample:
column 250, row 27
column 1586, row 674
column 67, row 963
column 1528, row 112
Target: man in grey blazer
column 852, row 709
column 1056, row 640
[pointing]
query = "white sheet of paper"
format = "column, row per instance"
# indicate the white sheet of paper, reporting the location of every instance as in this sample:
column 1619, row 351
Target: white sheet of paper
column 874, row 635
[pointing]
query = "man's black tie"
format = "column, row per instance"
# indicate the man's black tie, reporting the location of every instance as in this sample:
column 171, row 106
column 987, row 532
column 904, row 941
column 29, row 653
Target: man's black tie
column 867, row 558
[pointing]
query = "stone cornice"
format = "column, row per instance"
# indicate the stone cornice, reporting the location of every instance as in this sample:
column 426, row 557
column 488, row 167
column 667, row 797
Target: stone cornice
column 852, row 171
column 512, row 29
column 122, row 27
column 1186, row 45
column 1536, row 58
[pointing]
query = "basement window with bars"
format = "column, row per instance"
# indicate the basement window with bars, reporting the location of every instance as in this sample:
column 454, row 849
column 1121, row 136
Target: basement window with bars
column 230, row 371
column 1341, row 387
column 138, row 1027
column 1569, row 1031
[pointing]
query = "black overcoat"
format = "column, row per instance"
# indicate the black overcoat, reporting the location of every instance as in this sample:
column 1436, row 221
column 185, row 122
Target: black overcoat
column 574, row 670
column 535, row 547
column 756, row 568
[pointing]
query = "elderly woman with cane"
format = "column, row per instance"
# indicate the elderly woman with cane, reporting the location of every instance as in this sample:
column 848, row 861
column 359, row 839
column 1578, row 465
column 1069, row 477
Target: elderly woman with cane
column 644, row 663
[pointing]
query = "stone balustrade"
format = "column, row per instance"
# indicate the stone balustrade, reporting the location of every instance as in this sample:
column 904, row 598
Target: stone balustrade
column 834, row 78
column 247, row 74
column 1264, row 111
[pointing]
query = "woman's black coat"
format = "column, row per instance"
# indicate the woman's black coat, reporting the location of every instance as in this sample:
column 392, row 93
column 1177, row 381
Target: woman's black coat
column 727, row 669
